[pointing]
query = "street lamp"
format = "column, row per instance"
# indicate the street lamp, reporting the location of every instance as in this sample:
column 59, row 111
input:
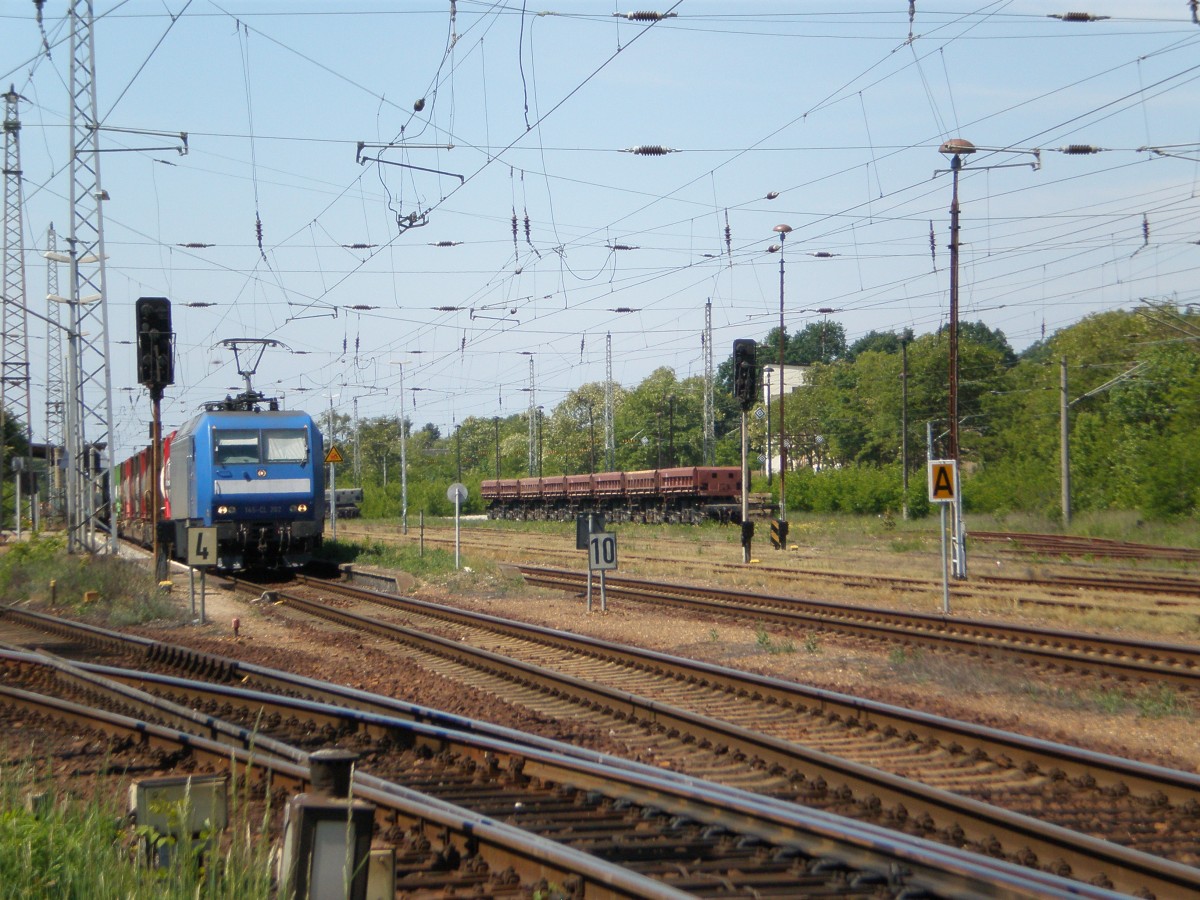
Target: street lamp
column 782, row 231
column 767, row 379
column 956, row 149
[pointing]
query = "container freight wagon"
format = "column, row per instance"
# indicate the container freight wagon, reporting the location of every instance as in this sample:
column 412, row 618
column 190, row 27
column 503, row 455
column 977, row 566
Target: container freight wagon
column 348, row 502
column 687, row 494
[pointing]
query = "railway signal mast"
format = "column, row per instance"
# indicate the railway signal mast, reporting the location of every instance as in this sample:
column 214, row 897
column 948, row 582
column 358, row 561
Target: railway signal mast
column 156, row 370
column 745, row 388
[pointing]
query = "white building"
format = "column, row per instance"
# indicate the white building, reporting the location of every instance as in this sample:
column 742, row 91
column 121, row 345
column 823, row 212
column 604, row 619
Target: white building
column 794, row 378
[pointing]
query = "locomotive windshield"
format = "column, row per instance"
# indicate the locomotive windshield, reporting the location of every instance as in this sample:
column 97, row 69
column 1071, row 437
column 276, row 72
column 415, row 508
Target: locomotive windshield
column 286, row 445
column 273, row 445
column 235, row 447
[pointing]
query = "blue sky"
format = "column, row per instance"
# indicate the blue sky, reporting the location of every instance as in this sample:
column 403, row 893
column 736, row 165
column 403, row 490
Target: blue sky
column 829, row 106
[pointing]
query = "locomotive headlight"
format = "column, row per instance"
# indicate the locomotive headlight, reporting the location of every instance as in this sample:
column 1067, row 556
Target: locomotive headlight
column 301, row 507
column 226, row 510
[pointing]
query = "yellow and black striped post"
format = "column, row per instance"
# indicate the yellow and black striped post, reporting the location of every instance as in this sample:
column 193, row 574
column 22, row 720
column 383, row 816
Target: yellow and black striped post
column 779, row 530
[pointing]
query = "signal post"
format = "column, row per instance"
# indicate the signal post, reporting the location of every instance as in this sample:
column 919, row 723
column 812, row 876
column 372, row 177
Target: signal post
column 745, row 388
column 943, row 490
column 156, row 370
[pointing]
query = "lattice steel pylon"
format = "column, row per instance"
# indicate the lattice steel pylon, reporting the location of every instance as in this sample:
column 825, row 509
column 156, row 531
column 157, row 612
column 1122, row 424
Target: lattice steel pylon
column 14, row 357
column 89, row 420
column 710, row 440
column 56, row 387
column 610, row 442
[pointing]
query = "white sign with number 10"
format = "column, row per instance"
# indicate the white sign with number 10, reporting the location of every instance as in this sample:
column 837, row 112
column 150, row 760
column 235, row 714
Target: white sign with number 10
column 602, row 550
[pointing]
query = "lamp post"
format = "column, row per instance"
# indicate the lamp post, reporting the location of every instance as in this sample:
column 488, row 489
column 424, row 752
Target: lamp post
column 592, row 430
column 496, row 426
column 539, row 440
column 955, row 148
column 782, row 231
column 767, row 379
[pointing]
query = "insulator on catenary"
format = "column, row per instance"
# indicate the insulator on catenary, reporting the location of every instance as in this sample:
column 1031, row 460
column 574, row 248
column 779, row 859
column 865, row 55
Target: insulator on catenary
column 649, row 150
column 1079, row 149
column 359, row 246
column 194, row 245
column 1077, row 17
column 644, row 16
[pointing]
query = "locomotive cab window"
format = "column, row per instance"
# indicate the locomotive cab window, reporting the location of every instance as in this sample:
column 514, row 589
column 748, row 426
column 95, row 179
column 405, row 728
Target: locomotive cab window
column 235, row 447
column 286, row 445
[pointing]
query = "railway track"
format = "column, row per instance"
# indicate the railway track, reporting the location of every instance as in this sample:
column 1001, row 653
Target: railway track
column 1117, row 659
column 1173, row 594
column 1071, row 545
column 477, row 808
column 1001, row 794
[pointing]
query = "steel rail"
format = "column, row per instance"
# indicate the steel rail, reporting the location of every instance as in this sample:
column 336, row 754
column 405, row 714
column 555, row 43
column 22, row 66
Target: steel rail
column 984, row 823
column 1120, row 658
column 1176, row 785
column 536, row 857
column 1076, row 545
column 1060, row 585
column 932, row 867
column 863, row 780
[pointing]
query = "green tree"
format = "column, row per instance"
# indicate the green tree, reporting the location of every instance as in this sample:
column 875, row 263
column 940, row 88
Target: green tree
column 878, row 341
column 574, row 434
column 816, row 342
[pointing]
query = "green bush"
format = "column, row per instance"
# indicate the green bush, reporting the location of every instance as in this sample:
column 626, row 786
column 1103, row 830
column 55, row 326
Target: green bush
column 82, row 848
column 871, row 490
column 127, row 591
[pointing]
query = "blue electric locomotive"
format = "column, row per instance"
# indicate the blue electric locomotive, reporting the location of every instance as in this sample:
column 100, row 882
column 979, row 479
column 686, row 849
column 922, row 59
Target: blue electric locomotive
column 255, row 474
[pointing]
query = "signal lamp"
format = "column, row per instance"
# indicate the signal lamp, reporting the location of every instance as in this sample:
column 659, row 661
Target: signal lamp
column 745, row 372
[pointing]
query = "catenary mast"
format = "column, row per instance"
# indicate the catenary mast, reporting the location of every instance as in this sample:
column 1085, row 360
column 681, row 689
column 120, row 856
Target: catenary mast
column 90, row 445
column 14, row 369
column 56, row 387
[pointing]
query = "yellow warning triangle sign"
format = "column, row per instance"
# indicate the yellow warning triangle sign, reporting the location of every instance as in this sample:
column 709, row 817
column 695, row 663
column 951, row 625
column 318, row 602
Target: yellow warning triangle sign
column 333, row 456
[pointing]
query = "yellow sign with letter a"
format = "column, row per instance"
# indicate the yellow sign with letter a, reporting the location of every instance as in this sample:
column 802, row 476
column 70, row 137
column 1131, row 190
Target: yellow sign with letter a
column 943, row 480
